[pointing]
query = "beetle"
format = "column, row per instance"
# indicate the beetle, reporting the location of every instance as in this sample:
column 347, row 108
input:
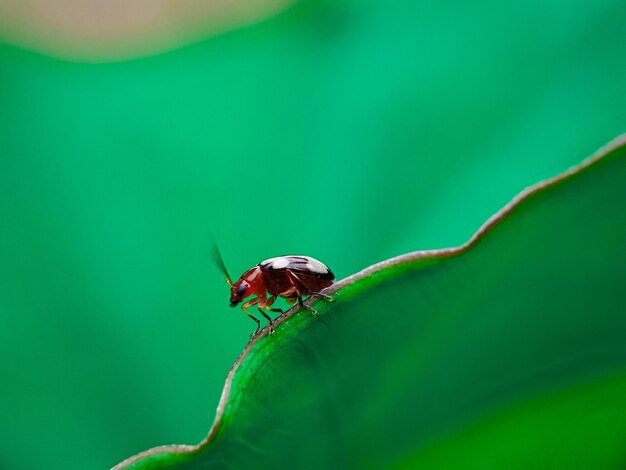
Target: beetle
column 290, row 277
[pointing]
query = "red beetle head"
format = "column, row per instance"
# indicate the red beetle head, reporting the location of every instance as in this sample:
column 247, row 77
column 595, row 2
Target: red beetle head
column 250, row 283
column 238, row 292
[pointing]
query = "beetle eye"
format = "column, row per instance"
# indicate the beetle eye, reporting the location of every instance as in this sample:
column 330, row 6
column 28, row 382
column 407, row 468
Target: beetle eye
column 240, row 290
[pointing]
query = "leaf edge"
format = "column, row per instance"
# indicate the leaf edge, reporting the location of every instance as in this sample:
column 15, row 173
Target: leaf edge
column 383, row 270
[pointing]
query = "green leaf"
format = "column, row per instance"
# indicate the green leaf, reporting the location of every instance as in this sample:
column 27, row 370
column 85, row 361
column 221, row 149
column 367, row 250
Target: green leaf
column 507, row 351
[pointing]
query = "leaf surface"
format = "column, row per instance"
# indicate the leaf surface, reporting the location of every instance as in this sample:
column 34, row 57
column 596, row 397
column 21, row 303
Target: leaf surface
column 451, row 357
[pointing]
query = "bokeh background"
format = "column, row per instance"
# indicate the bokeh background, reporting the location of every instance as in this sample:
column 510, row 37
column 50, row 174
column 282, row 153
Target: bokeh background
column 351, row 131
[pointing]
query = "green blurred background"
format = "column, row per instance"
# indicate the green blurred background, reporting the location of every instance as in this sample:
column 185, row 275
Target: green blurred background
column 349, row 131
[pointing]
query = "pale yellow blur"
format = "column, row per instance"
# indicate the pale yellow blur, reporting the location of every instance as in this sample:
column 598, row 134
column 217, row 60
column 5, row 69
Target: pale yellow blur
column 108, row 30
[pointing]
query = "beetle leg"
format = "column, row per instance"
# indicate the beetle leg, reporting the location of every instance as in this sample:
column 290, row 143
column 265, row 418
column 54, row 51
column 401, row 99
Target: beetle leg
column 298, row 285
column 269, row 319
column 311, row 309
column 270, row 300
column 326, row 296
column 249, row 303
column 265, row 305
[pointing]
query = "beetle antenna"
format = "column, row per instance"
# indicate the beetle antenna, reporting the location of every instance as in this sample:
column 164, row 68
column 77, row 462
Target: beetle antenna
column 219, row 262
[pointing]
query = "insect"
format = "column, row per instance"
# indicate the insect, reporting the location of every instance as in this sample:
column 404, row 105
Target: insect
column 291, row 277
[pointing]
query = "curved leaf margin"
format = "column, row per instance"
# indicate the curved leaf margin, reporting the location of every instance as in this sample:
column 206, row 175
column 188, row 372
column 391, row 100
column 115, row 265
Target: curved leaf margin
column 350, row 286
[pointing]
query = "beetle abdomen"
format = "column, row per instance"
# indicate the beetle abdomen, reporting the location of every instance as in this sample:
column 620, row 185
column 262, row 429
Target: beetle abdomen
column 289, row 275
column 301, row 264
